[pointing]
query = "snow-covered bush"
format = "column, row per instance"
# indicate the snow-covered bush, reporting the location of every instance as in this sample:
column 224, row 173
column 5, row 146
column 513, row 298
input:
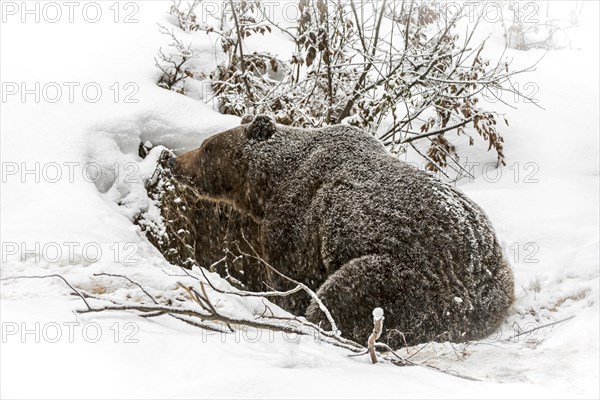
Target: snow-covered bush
column 399, row 70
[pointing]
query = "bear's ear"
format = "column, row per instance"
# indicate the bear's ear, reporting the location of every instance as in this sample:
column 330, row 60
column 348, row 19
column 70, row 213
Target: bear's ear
column 261, row 128
column 246, row 119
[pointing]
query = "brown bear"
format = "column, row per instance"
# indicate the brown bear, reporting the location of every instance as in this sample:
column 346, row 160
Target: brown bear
column 337, row 212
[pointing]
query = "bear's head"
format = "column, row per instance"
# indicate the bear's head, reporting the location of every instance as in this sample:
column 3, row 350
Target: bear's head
column 218, row 170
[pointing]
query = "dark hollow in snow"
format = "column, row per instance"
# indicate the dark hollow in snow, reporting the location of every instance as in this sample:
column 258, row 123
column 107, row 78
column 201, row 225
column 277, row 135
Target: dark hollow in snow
column 331, row 208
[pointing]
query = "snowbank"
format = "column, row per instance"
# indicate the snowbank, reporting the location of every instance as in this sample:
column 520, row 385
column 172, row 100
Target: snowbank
column 543, row 205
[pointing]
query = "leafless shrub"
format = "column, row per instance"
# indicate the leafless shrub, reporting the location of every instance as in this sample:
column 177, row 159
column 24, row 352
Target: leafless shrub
column 396, row 69
column 187, row 19
column 173, row 63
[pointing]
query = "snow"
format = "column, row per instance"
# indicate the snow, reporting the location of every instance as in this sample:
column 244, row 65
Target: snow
column 543, row 204
column 377, row 314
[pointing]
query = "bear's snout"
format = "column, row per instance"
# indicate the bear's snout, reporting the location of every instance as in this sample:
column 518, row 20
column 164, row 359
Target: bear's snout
column 178, row 169
column 175, row 167
column 171, row 163
column 184, row 166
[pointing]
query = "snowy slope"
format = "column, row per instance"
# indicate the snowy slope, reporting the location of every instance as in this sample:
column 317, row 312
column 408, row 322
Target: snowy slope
column 546, row 217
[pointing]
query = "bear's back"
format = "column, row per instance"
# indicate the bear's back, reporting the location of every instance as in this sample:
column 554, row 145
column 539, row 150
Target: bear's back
column 342, row 197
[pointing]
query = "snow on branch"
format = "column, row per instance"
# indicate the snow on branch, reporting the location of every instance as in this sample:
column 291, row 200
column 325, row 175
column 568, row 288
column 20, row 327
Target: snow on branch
column 377, row 329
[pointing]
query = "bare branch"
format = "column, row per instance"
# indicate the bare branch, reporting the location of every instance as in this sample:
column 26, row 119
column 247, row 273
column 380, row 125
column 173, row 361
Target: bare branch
column 77, row 292
column 308, row 290
column 377, row 329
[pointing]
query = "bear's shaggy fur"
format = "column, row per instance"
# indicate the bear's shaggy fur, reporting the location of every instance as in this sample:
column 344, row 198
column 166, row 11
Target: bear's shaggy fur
column 340, row 214
column 194, row 231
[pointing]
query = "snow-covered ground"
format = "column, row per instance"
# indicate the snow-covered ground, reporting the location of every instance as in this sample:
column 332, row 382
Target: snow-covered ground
column 544, row 206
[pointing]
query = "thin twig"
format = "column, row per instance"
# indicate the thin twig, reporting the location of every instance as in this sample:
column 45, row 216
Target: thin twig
column 308, row 290
column 131, row 281
column 51, row 276
column 538, row 328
